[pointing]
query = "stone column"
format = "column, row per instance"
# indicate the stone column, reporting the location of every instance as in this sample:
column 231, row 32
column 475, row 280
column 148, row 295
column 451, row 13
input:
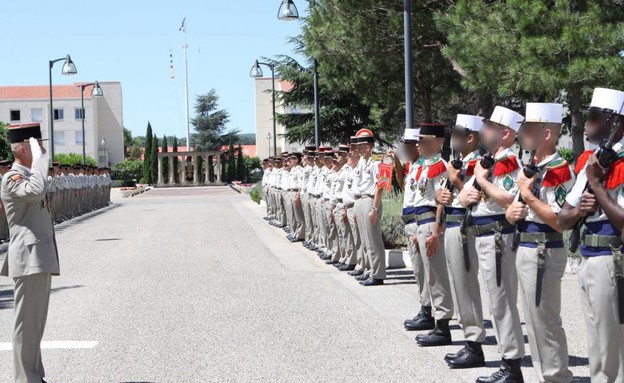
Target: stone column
column 195, row 169
column 218, row 169
column 160, row 177
column 171, row 174
column 182, row 170
column 207, row 162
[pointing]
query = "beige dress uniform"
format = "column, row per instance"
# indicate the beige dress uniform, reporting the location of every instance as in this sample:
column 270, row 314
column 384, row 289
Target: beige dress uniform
column 312, row 199
column 547, row 339
column 320, row 208
column 297, row 220
column 350, row 196
column 411, row 230
column 504, row 297
column 304, row 195
column 329, row 204
column 340, row 179
column 266, row 188
column 429, row 173
column 343, row 204
column 31, row 261
column 369, row 233
column 599, row 299
column 465, row 283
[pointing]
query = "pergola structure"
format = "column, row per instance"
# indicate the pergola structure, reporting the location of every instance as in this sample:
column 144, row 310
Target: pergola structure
column 188, row 168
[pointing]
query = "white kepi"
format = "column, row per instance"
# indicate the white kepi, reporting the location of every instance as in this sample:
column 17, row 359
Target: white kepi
column 544, row 112
column 411, row 135
column 506, row 117
column 466, row 121
column 610, row 99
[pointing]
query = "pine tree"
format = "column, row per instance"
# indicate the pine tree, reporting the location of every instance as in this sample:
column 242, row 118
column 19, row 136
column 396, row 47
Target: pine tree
column 231, row 171
column 165, row 160
column 147, row 154
column 175, row 160
column 154, row 159
column 240, row 165
column 223, row 167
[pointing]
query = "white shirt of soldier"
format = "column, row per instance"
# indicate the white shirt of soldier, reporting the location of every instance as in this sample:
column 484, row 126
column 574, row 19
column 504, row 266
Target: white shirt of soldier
column 304, row 177
column 285, row 179
column 508, row 182
column 466, row 161
column 350, row 192
column 574, row 196
column 329, row 182
column 425, row 186
column 368, row 182
column 312, row 179
column 320, row 181
column 293, row 180
column 340, row 179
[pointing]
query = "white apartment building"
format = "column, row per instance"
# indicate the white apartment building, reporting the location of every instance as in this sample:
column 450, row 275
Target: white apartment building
column 103, row 137
column 264, row 118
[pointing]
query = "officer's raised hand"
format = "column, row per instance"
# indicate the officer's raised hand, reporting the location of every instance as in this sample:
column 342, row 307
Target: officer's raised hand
column 443, row 196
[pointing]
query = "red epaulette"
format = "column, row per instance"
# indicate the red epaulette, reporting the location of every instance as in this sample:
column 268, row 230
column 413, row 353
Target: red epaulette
column 557, row 176
column 505, row 166
column 436, row 169
column 616, row 175
column 582, row 160
column 407, row 167
column 471, row 167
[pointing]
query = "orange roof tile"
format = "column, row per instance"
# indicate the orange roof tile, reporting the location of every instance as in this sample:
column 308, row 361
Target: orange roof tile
column 42, row 92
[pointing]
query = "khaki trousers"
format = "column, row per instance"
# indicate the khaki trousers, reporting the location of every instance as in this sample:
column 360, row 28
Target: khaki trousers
column 298, row 219
column 411, row 231
column 307, row 216
column 503, row 299
column 547, row 340
column 436, row 274
column 332, row 230
column 345, row 237
column 361, row 260
column 465, row 283
column 322, row 223
column 32, row 297
column 371, row 236
column 604, row 331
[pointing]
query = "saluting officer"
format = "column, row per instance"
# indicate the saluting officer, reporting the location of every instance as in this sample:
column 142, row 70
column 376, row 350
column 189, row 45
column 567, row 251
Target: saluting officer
column 32, row 255
column 487, row 194
column 596, row 202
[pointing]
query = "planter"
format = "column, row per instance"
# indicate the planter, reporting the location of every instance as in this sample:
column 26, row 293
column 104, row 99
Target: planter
column 394, row 259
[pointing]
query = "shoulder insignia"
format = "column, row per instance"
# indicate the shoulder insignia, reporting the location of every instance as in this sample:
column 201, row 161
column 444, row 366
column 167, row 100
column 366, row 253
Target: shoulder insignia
column 436, row 169
column 615, row 177
column 471, row 167
column 505, row 166
column 557, row 176
column 582, row 160
column 508, row 182
column 560, row 195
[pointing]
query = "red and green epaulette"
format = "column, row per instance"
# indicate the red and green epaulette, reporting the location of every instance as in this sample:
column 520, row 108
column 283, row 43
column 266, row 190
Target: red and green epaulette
column 557, row 173
column 505, row 165
column 435, row 169
column 582, row 160
column 615, row 177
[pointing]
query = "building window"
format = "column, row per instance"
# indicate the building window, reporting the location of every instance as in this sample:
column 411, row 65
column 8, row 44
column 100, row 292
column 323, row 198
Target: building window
column 59, row 138
column 79, row 137
column 78, row 113
column 35, row 114
column 15, row 115
column 58, row 114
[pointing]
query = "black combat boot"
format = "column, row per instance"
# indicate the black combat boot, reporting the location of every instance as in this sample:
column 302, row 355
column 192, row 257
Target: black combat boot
column 509, row 373
column 472, row 357
column 439, row 336
column 421, row 322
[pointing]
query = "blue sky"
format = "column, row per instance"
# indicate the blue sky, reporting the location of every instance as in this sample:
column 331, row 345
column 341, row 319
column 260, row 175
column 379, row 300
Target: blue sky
column 129, row 41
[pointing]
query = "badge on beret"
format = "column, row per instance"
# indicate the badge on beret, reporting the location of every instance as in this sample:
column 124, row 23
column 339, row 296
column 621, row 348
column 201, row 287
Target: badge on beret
column 508, row 182
column 560, row 195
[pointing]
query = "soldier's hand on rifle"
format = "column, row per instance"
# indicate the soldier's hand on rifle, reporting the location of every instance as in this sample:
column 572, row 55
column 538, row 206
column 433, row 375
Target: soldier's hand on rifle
column 595, row 172
column 516, row 211
column 469, row 196
column 588, row 205
column 444, row 196
column 526, row 184
column 480, row 173
column 453, row 174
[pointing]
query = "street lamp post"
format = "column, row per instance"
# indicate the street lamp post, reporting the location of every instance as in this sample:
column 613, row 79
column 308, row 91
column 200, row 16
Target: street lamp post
column 68, row 69
column 105, row 156
column 256, row 72
column 96, row 92
column 407, row 38
column 268, row 136
column 288, row 12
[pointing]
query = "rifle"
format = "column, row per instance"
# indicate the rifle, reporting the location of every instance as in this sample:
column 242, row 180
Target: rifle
column 606, row 157
column 529, row 171
column 457, row 164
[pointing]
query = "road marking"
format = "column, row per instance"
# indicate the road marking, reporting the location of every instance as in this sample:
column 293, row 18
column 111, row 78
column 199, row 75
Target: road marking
column 62, row 344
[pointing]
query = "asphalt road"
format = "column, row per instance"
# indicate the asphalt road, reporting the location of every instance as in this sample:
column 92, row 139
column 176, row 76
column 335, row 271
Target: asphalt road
column 191, row 285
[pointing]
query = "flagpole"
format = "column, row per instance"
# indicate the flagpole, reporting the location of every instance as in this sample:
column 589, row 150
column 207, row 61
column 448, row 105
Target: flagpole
column 186, row 91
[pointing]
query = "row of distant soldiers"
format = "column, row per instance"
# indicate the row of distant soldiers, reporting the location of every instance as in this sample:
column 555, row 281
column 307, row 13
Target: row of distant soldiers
column 482, row 211
column 73, row 190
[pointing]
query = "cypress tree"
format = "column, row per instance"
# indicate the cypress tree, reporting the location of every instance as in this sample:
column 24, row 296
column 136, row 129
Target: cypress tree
column 175, row 160
column 165, row 160
column 240, row 166
column 154, row 159
column 231, row 171
column 147, row 163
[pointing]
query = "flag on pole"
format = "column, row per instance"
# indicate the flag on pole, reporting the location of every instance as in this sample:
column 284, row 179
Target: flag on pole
column 172, row 75
column 183, row 26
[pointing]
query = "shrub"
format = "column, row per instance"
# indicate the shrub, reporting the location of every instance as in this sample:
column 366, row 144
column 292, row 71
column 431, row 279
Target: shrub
column 392, row 227
column 567, row 154
column 256, row 193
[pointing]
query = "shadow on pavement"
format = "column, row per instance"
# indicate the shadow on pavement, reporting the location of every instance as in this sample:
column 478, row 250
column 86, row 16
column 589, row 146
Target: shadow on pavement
column 6, row 294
